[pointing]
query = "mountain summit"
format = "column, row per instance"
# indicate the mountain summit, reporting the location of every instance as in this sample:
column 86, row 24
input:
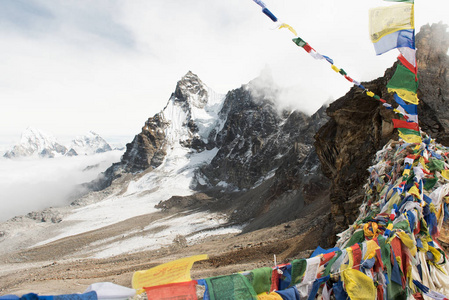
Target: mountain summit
column 235, row 146
column 36, row 142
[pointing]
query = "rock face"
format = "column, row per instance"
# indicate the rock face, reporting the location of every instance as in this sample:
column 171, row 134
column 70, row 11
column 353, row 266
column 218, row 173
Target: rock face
column 261, row 154
column 359, row 126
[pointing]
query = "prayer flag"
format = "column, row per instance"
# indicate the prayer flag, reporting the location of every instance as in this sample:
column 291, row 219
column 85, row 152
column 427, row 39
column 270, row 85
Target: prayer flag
column 234, row 286
column 283, row 25
column 358, row 285
column 171, row 272
column 389, row 19
column 409, row 54
column 260, row 3
column 404, row 124
column 410, row 136
column 299, row 41
column 403, row 79
column 445, row 174
column 392, row 27
column 410, row 109
column 408, row 65
column 181, row 290
column 408, row 96
column 269, row 14
column 403, row 39
column 260, row 279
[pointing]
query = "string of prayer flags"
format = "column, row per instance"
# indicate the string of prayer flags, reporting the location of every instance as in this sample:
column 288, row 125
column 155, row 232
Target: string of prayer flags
column 316, row 55
column 393, row 27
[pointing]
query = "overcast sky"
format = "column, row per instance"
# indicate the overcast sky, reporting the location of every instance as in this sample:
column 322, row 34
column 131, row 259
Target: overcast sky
column 68, row 67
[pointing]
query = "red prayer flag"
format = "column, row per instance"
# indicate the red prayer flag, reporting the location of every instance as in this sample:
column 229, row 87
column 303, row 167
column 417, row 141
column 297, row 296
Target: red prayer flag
column 180, row 291
column 404, row 124
column 408, row 65
column 357, row 256
column 307, row 48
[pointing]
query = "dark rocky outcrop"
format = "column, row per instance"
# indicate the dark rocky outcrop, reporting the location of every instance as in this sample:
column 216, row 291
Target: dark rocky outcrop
column 359, row 126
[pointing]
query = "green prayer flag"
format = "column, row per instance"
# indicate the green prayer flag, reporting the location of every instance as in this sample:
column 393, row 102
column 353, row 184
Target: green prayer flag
column 298, row 269
column 356, row 238
column 435, row 165
column 299, row 41
column 403, row 79
column 404, row 225
column 260, row 279
column 234, row 286
column 407, row 131
column 429, row 183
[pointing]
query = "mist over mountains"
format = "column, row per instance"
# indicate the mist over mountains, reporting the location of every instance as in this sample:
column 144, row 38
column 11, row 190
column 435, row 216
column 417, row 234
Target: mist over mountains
column 41, row 172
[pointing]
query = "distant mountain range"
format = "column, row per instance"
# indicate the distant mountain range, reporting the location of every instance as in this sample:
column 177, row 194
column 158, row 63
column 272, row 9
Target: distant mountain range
column 35, row 142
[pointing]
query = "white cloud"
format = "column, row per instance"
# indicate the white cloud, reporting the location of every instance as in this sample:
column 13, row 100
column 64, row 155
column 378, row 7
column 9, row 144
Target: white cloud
column 30, row 184
column 107, row 66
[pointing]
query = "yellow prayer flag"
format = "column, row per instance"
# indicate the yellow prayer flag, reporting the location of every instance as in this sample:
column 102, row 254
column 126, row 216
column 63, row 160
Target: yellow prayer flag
column 270, row 296
column 335, row 69
column 410, row 138
column 358, row 285
column 407, row 241
column 371, row 94
column 171, row 272
column 436, row 254
column 283, row 25
column 415, row 191
column 445, row 174
column 371, row 247
column 389, row 19
column 408, row 96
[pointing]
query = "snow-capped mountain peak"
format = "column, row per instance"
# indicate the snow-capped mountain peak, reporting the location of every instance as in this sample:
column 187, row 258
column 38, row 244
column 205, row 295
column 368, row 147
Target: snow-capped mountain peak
column 192, row 110
column 36, row 142
column 191, row 90
column 89, row 144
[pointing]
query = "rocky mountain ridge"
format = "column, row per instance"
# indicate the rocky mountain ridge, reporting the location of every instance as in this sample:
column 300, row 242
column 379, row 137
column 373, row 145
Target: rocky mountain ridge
column 262, row 154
